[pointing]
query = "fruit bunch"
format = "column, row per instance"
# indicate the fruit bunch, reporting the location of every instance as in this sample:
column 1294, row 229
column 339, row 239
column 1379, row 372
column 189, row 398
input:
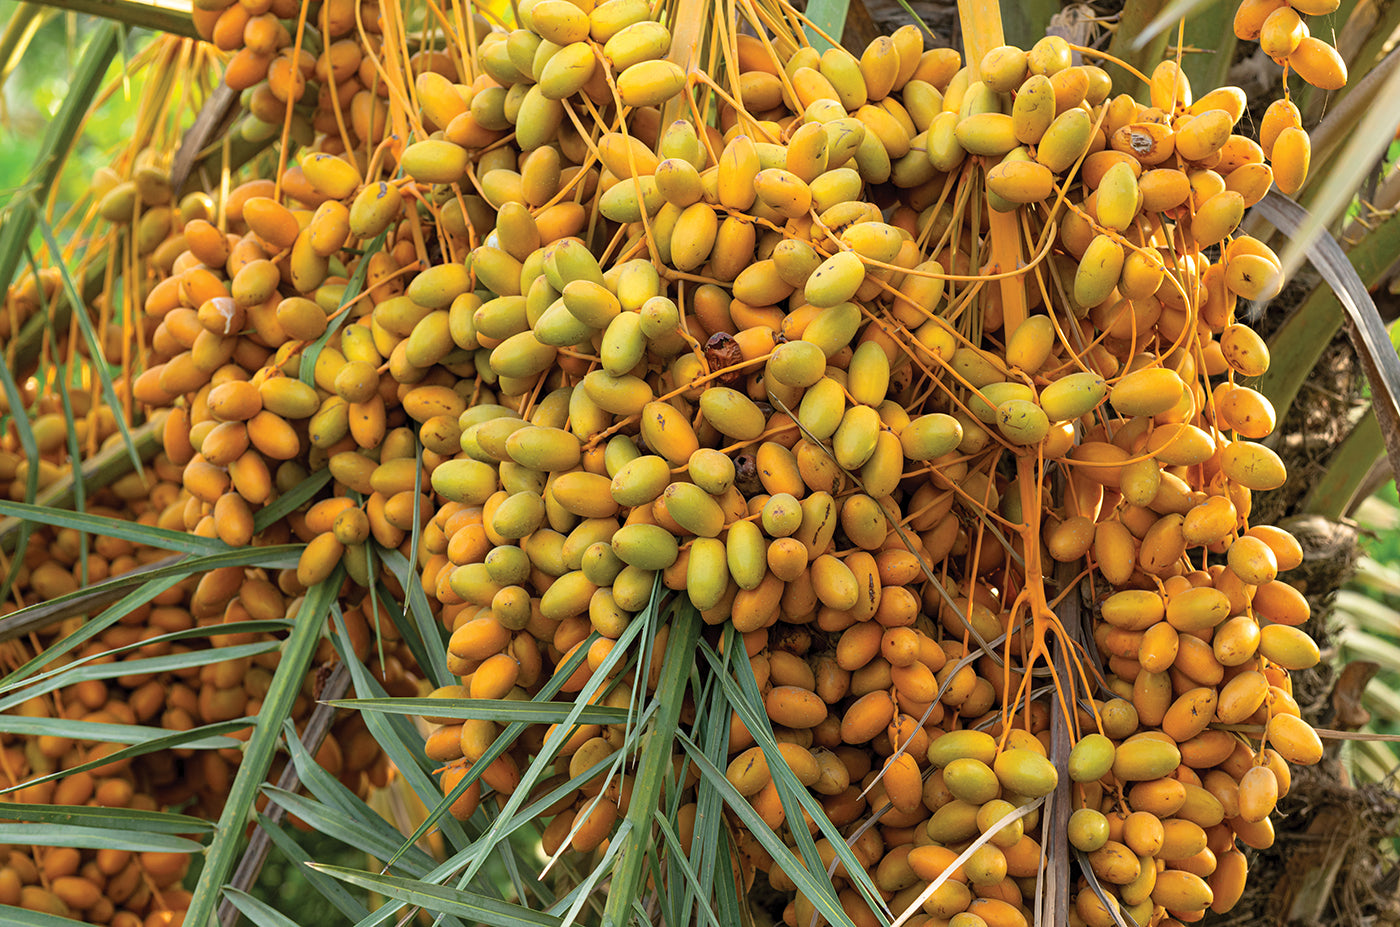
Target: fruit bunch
column 115, row 887
column 1279, row 28
column 849, row 352
column 801, row 372
column 120, row 887
column 107, row 886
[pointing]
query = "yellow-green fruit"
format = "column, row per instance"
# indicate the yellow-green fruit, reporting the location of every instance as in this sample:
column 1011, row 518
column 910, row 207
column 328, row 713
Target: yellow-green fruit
column 836, row 280
column 1065, row 140
column 798, row 364
column 1026, row 772
column 624, row 345
column 518, row 515
column 560, row 328
column 650, row 83
column 969, row 743
column 544, row 449
column 971, row 780
column 626, row 157
column 330, row 175
column 554, row 21
column 822, row 408
column 567, row 260
column 640, row 481
column 746, row 552
column 781, row 515
column 638, row 42
column 989, row 818
column 1141, row 760
column 986, row 134
column 738, row 167
column 646, row 547
column 1030, row 345
column 834, row 583
column 694, row 236
column 855, row 437
column 1217, row 217
column 1091, row 758
column 374, row 208
column 1033, row 110
column 591, row 303
column 882, row 472
column 807, row 152
column 840, row 185
column 637, row 282
column 1118, row 197
column 538, row 120
column 1073, row 395
column 679, row 182
column 521, row 356
column 431, row 340
column 1088, row 830
column 608, row 19
column 930, row 436
column 795, row 260
column 630, row 200
column 844, row 136
column 1149, row 391
column 707, row 572
column 868, row 374
column 834, row 327
column 1022, row 421
column 876, row 241
column 469, row 482
column 694, row 509
column 712, row 470
column 567, row 70
column 1098, row 271
column 783, row 192
column 1020, row 181
column 1288, row 647
column 567, row 596
column 944, row 151
column 434, row 161
column 587, row 495
column 624, row 395
column 732, row 413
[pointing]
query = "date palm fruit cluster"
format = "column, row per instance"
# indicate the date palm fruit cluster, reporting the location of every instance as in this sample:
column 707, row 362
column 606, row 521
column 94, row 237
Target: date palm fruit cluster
column 114, row 886
column 1282, row 32
column 850, row 350
column 101, row 886
column 755, row 361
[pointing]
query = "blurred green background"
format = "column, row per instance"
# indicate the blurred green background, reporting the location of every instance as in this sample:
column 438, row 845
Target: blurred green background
column 34, row 85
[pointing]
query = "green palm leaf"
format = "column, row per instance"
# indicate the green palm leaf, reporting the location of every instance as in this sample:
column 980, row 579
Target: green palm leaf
column 295, row 659
column 132, row 531
column 263, row 915
column 328, row 888
column 180, row 739
column 129, row 819
column 95, row 838
column 475, row 908
column 655, row 765
column 21, row 917
column 486, row 709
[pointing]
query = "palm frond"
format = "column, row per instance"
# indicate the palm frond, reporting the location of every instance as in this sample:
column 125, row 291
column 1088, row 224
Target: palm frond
column 169, row 16
column 295, row 659
column 654, row 765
